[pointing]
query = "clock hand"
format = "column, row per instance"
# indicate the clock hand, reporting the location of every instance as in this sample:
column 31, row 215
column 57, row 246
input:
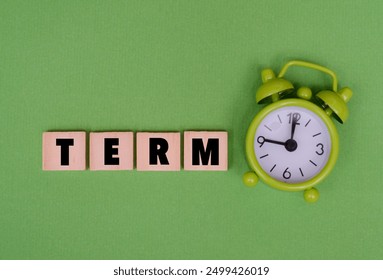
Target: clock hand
column 294, row 124
column 261, row 140
column 275, row 142
column 290, row 145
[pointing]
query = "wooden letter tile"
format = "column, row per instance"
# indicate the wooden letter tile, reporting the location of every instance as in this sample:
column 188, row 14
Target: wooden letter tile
column 111, row 151
column 205, row 150
column 64, row 151
column 158, row 151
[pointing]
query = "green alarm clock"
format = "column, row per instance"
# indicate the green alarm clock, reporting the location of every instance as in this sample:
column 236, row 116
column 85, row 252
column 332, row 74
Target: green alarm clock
column 292, row 144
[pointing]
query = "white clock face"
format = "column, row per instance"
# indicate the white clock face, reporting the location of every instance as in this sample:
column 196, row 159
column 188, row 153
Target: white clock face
column 292, row 144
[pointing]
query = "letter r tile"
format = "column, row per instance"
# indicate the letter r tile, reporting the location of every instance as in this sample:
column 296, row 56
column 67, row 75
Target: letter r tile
column 64, row 150
column 205, row 150
column 158, row 151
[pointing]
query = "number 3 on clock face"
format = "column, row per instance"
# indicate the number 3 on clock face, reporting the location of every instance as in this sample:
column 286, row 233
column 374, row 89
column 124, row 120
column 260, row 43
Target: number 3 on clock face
column 292, row 146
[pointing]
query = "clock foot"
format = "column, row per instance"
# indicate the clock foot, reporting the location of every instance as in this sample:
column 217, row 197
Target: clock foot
column 311, row 195
column 250, row 179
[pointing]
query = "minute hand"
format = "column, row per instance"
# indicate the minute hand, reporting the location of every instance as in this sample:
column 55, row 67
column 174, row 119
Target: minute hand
column 294, row 124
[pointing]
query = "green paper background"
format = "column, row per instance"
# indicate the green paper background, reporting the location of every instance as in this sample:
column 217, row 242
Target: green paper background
column 174, row 66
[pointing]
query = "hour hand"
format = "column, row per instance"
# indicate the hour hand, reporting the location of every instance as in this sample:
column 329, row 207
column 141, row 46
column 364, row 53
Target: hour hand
column 261, row 140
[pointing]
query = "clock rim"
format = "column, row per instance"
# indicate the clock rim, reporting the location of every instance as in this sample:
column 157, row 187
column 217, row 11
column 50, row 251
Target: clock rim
column 265, row 177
